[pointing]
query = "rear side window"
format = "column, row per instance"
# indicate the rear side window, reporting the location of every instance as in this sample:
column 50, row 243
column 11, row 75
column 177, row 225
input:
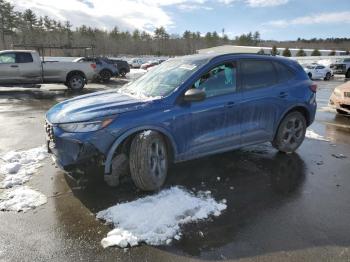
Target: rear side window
column 7, row 58
column 24, row 58
column 283, row 72
column 257, row 74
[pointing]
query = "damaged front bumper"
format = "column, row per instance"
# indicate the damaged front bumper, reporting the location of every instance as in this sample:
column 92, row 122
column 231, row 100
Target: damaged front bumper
column 72, row 151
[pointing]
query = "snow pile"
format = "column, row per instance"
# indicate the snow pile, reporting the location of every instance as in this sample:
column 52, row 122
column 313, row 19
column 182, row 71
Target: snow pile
column 313, row 135
column 21, row 199
column 20, row 165
column 156, row 219
column 136, row 73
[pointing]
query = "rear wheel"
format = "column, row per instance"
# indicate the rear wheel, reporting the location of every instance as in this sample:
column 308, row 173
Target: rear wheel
column 148, row 160
column 76, row 82
column 105, row 75
column 290, row 133
column 328, row 76
column 310, row 75
column 122, row 72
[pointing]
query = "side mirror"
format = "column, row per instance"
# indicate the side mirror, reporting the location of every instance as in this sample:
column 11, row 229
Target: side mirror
column 194, row 94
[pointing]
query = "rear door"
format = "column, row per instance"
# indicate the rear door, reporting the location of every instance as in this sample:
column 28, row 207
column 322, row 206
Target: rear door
column 262, row 100
column 9, row 72
column 29, row 71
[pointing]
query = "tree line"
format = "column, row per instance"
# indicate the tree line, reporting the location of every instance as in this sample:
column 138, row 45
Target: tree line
column 28, row 29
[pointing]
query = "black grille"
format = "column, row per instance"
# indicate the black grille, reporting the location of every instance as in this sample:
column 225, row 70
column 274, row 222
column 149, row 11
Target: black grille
column 345, row 106
column 49, row 132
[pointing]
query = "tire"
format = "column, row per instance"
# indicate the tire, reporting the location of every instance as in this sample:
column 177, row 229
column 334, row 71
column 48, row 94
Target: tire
column 290, row 133
column 148, row 160
column 76, row 82
column 347, row 75
column 328, row 76
column 122, row 72
column 105, row 75
column 310, row 75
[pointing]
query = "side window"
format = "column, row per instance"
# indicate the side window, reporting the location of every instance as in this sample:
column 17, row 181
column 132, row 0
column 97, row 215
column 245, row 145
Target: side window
column 24, row 58
column 218, row 81
column 284, row 73
column 319, row 67
column 257, row 74
column 8, row 58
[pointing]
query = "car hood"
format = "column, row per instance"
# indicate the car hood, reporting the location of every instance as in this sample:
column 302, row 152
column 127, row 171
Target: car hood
column 93, row 106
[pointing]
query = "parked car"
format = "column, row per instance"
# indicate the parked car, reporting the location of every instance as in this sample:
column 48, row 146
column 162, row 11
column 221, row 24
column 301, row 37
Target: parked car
column 25, row 67
column 186, row 108
column 316, row 71
column 105, row 69
column 136, row 62
column 152, row 63
column 122, row 66
column 340, row 98
column 342, row 67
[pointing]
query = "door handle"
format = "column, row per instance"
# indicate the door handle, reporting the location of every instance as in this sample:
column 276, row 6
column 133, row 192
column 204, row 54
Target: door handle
column 283, row 94
column 14, row 65
column 230, row 104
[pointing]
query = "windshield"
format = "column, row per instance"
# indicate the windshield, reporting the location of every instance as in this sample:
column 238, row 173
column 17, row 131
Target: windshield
column 163, row 79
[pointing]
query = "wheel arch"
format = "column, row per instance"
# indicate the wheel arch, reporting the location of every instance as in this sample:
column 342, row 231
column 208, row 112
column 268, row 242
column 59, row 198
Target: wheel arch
column 298, row 108
column 125, row 139
column 75, row 72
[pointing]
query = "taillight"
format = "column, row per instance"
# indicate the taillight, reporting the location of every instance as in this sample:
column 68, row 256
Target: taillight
column 93, row 66
column 313, row 87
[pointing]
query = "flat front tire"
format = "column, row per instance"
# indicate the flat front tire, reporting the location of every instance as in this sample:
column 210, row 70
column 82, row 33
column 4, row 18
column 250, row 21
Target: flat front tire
column 290, row 133
column 148, row 160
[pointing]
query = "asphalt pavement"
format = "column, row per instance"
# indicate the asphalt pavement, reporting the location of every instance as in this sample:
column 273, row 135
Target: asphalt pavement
column 280, row 207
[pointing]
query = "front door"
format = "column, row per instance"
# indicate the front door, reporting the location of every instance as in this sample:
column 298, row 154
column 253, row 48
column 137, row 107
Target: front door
column 207, row 126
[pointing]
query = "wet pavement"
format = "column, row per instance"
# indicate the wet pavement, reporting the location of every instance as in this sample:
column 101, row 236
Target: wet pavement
column 280, row 207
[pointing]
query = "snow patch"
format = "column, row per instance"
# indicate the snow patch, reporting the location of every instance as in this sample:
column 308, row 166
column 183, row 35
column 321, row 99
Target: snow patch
column 145, row 134
column 156, row 219
column 313, row 135
column 21, row 199
column 20, row 165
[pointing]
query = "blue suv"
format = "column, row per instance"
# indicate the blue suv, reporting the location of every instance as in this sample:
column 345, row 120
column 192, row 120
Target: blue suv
column 186, row 108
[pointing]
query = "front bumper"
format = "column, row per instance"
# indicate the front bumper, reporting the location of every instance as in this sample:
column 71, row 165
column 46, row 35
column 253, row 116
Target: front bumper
column 339, row 103
column 73, row 150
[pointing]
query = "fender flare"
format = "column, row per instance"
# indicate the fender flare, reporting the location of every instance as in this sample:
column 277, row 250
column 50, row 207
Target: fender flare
column 129, row 132
column 289, row 109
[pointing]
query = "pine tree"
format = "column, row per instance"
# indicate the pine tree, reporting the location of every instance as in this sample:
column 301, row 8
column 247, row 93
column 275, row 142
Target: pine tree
column 316, row 52
column 274, row 51
column 261, row 52
column 301, row 52
column 332, row 53
column 286, row 52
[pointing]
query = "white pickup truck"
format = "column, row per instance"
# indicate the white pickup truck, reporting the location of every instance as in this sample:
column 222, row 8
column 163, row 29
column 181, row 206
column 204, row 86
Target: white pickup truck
column 25, row 67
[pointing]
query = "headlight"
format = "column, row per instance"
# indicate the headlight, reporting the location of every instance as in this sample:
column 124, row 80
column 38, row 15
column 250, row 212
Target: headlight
column 337, row 92
column 85, row 126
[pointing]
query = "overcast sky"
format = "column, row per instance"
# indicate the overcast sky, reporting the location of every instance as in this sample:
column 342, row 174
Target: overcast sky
column 275, row 19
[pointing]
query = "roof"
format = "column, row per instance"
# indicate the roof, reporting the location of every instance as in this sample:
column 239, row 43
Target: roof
column 18, row 51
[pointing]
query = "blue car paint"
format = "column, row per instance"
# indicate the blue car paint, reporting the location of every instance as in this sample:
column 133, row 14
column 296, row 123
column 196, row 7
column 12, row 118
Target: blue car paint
column 196, row 129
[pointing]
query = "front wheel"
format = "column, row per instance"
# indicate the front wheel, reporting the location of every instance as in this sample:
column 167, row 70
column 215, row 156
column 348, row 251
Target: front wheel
column 328, row 76
column 290, row 133
column 310, row 75
column 76, row 82
column 148, row 160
